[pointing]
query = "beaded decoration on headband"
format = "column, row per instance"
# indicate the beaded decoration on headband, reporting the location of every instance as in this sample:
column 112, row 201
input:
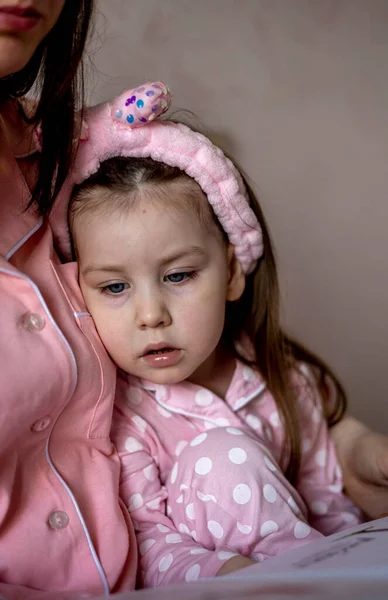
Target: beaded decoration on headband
column 142, row 105
column 129, row 126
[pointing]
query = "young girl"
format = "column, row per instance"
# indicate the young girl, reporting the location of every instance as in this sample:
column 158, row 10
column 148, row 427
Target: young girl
column 220, row 419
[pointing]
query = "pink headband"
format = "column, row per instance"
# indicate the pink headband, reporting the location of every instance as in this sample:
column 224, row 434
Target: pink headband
column 129, row 126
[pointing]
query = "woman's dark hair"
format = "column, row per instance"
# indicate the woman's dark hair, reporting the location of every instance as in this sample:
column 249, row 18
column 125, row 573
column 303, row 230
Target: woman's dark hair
column 277, row 357
column 56, row 70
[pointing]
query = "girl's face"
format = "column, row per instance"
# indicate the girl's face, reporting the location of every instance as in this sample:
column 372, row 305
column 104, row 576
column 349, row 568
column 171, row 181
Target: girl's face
column 23, row 25
column 156, row 282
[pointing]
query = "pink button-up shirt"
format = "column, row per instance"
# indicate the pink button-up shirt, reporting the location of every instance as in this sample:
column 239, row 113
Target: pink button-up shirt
column 154, row 425
column 62, row 526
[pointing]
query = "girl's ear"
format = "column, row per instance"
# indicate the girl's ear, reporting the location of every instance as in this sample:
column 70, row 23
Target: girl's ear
column 236, row 279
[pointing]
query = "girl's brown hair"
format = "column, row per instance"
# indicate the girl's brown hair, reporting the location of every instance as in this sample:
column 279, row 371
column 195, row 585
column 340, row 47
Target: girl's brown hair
column 256, row 315
column 56, row 70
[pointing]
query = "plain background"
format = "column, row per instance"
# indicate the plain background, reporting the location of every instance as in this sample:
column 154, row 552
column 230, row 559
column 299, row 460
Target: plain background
column 297, row 91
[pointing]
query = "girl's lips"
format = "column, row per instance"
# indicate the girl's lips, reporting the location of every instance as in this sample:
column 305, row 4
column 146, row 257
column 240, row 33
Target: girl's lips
column 163, row 357
column 14, row 18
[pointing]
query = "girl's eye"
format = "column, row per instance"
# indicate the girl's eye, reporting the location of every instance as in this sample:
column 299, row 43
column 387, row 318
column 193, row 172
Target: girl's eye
column 115, row 288
column 178, row 277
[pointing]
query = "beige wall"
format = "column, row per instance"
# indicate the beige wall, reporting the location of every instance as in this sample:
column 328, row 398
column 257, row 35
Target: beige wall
column 298, row 91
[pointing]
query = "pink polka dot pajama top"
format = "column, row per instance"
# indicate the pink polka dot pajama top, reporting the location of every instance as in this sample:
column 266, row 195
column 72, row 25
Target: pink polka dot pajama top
column 202, row 481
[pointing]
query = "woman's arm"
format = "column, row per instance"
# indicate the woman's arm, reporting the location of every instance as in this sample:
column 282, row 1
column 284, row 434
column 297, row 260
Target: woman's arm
column 363, row 455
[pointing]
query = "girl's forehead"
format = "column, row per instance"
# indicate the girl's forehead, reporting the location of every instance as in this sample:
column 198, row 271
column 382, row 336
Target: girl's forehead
column 172, row 205
column 181, row 195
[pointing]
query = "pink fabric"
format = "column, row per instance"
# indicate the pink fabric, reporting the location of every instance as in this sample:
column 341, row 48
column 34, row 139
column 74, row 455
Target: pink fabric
column 202, row 481
column 110, row 134
column 62, row 526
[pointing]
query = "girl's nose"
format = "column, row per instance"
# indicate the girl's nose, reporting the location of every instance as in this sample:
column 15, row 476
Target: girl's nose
column 152, row 312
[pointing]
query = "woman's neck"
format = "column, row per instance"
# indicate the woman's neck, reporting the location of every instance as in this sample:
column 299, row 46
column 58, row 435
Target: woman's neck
column 17, row 131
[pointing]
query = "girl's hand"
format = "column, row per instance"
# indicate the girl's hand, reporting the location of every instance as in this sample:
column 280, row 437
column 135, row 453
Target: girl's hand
column 363, row 455
column 235, row 564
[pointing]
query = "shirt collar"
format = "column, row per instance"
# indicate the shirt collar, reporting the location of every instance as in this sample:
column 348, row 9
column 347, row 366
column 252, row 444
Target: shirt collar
column 193, row 400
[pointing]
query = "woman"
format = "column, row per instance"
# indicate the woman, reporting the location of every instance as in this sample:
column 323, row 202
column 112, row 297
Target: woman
column 62, row 526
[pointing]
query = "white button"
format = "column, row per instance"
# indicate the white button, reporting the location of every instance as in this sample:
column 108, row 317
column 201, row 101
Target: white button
column 41, row 424
column 33, row 322
column 58, row 519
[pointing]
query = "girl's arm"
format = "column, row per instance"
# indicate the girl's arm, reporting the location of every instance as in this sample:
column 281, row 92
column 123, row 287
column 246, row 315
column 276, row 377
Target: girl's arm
column 320, row 481
column 363, row 455
column 166, row 553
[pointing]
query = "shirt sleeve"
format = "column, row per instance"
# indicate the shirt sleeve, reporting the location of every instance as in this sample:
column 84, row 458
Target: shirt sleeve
column 166, row 555
column 320, row 481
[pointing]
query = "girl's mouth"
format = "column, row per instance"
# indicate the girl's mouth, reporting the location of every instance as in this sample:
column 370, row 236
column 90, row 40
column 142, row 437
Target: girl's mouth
column 161, row 356
column 161, row 351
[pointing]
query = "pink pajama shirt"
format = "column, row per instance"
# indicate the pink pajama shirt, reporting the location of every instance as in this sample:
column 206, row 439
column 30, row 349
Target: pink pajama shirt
column 201, row 476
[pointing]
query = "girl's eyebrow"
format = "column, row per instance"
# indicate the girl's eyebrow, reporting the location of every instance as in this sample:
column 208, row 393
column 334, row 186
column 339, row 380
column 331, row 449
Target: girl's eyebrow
column 194, row 251
column 106, row 268
column 183, row 253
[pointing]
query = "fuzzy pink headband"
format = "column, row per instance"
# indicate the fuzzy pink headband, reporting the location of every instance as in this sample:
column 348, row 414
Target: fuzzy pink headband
column 129, row 126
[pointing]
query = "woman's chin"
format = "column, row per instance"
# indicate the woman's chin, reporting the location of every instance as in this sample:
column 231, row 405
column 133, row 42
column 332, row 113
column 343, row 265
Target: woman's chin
column 14, row 54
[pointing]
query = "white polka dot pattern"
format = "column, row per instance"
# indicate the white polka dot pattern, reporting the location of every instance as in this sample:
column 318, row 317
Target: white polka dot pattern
column 269, row 464
column 153, row 504
column 238, row 456
column 160, row 392
column 319, row 507
column 348, row 517
column 268, row 527
column 140, row 423
column 254, row 422
column 242, row 493
column 234, row 431
column 244, row 529
column 335, row 488
column 133, row 445
column 258, row 556
column 222, row 422
column 135, row 501
column 180, row 446
column 198, row 439
column 293, row 505
column 320, row 458
column 216, row 529
column 248, row 373
column 270, row 493
column 165, row 563
column 203, row 398
column 182, row 527
column 174, row 473
column 199, row 550
column 301, row 530
column 225, row 555
column 203, row 466
column 192, row 573
column 150, row 472
column 145, row 546
column 206, row 497
column 173, row 538
column 190, row 511
column 165, row 413
column 225, row 490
